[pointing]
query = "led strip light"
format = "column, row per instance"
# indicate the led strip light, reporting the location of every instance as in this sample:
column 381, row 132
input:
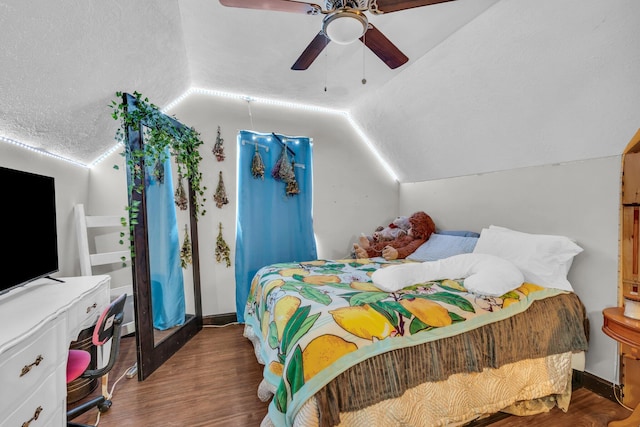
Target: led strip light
column 39, row 151
column 222, row 94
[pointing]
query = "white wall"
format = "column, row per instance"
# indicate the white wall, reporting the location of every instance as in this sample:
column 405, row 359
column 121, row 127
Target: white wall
column 352, row 192
column 108, row 196
column 578, row 199
column 527, row 83
column 71, row 186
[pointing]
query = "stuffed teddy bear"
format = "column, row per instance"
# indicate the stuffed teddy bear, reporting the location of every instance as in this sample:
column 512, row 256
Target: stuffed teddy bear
column 422, row 226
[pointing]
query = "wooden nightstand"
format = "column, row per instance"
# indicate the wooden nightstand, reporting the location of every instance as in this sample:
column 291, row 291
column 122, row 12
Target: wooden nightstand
column 626, row 331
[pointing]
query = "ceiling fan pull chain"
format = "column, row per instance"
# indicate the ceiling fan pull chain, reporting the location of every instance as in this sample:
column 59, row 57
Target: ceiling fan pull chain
column 326, row 69
column 364, row 40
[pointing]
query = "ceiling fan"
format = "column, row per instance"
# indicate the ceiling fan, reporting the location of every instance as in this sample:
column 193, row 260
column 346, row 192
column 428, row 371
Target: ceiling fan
column 344, row 23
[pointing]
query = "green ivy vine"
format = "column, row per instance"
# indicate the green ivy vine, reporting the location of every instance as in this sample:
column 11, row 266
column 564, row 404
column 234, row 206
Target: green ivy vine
column 162, row 135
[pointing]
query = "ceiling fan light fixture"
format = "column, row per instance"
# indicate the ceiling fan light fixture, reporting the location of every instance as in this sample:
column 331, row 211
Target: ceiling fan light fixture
column 345, row 26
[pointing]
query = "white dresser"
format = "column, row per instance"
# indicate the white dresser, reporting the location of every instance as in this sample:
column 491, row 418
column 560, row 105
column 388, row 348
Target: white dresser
column 37, row 324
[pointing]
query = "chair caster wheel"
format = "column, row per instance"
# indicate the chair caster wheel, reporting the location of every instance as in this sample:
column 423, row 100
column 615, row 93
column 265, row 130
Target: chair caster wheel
column 104, row 406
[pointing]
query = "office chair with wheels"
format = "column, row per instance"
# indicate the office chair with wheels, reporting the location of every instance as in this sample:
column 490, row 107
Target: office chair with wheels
column 106, row 331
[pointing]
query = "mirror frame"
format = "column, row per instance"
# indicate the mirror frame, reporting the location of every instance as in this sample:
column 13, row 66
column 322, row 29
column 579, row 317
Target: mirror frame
column 149, row 354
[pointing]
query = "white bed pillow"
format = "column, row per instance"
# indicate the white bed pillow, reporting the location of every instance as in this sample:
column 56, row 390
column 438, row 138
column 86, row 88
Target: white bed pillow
column 482, row 273
column 443, row 246
column 543, row 259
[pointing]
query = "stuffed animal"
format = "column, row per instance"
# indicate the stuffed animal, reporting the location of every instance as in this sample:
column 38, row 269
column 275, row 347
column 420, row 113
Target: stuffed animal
column 398, row 228
column 422, row 226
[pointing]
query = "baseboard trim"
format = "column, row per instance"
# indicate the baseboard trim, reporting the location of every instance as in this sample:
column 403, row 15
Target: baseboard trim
column 219, row 319
column 599, row 386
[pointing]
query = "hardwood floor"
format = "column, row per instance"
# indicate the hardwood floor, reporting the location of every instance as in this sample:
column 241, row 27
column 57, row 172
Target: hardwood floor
column 213, row 380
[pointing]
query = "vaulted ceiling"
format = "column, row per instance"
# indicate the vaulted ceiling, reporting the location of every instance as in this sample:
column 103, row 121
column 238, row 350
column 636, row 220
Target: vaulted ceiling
column 489, row 85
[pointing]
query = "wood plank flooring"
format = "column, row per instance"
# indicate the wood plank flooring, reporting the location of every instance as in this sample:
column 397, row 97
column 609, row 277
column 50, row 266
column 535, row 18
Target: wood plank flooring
column 213, row 380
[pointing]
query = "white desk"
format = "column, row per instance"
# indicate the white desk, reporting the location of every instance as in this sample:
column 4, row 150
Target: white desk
column 37, row 323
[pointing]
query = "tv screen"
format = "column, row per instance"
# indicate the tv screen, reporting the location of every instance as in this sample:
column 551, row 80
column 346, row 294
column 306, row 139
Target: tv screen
column 29, row 234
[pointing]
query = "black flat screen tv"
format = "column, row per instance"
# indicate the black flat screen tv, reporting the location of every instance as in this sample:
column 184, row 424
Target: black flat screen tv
column 29, row 236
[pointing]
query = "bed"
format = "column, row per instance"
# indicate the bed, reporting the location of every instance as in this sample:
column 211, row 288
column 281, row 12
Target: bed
column 338, row 350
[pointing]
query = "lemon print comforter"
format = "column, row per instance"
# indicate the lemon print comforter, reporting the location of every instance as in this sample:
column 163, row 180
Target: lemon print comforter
column 315, row 319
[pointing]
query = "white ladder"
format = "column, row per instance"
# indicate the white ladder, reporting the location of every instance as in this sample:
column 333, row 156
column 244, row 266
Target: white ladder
column 107, row 225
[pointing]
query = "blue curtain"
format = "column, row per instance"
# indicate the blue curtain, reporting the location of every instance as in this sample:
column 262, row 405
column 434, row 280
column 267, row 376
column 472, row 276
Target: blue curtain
column 167, row 283
column 271, row 226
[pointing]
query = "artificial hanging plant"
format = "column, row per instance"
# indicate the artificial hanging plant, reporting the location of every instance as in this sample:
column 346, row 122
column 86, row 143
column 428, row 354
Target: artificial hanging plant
column 162, row 135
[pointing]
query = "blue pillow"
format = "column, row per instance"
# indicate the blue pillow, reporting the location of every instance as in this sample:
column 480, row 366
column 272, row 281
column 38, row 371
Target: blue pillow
column 463, row 233
column 443, row 246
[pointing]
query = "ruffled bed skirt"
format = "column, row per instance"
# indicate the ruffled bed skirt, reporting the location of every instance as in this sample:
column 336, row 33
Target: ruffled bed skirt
column 459, row 378
column 522, row 388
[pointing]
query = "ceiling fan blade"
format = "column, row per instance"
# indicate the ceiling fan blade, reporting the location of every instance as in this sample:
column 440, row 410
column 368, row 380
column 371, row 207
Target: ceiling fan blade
column 277, row 5
column 386, row 6
column 383, row 48
column 312, row 51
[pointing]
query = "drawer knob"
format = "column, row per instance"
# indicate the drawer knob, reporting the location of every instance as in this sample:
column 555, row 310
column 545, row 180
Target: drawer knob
column 91, row 307
column 27, row 368
column 35, row 417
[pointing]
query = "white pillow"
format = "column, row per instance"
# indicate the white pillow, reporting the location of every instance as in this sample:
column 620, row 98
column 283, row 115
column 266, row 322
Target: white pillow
column 543, row 259
column 482, row 273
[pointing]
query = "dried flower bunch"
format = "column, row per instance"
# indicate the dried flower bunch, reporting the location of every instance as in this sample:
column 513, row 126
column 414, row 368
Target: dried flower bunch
column 220, row 195
column 222, row 249
column 185, row 251
column 218, row 147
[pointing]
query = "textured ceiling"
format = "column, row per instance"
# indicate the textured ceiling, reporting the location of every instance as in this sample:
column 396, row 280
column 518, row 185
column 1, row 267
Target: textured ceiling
column 252, row 51
column 62, row 62
column 490, row 84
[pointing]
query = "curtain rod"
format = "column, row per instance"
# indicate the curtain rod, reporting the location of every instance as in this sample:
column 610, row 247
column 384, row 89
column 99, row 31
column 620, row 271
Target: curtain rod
column 283, row 144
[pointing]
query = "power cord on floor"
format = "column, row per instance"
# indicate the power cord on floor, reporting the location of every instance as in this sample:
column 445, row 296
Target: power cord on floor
column 220, row 326
column 130, row 371
column 110, row 393
column 615, row 394
column 616, row 373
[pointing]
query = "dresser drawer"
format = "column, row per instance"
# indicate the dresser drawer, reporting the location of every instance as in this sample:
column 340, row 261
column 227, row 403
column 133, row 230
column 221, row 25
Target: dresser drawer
column 24, row 366
column 629, row 351
column 42, row 407
column 86, row 312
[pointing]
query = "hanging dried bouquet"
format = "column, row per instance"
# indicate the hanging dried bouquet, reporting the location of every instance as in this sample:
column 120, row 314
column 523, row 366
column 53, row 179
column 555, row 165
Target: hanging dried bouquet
column 257, row 165
column 222, row 249
column 220, row 195
column 180, row 195
column 185, row 251
column 218, row 147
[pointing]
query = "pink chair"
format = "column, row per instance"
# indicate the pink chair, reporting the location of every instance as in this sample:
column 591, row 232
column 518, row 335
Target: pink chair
column 107, row 329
